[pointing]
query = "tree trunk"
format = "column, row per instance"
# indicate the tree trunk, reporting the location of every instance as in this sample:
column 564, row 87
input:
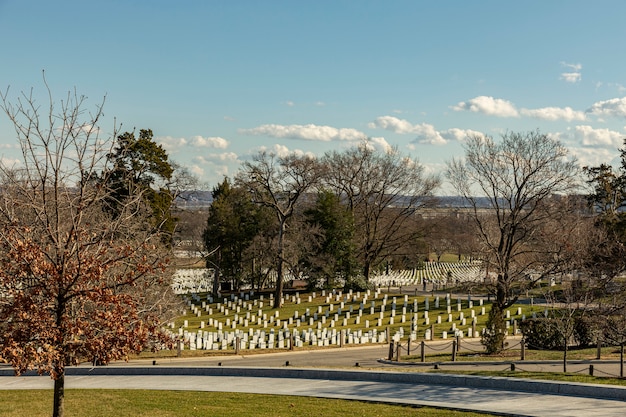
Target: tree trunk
column 366, row 271
column 621, row 360
column 565, row 355
column 59, row 395
column 278, row 295
column 216, row 275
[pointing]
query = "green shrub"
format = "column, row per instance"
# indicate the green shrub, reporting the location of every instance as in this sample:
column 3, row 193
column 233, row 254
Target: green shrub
column 585, row 331
column 495, row 333
column 357, row 283
column 539, row 334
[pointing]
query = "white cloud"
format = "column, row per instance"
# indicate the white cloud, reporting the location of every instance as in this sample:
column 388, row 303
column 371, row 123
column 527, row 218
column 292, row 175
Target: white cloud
column 589, row 136
column 571, row 77
column 196, row 170
column 613, row 107
column 504, row 108
column 593, row 156
column 381, row 143
column 488, row 105
column 9, row 145
column 306, row 132
column 426, row 133
column 460, row 134
column 431, row 136
column 210, row 142
column 221, row 157
column 10, row 162
column 555, row 113
column 282, row 151
column 227, row 156
column 171, row 144
column 216, row 169
column 574, row 67
column 394, row 124
column 574, row 75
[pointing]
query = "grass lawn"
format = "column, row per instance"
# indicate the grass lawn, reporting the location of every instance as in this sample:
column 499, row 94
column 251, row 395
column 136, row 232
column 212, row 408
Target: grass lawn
column 138, row 403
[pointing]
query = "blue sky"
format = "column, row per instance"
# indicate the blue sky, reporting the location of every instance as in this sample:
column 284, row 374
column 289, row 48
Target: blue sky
column 219, row 80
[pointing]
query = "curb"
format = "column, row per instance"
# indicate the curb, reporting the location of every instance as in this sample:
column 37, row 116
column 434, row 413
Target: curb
column 500, row 383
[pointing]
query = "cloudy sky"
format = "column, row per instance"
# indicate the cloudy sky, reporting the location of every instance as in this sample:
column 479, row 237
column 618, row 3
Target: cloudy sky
column 219, row 80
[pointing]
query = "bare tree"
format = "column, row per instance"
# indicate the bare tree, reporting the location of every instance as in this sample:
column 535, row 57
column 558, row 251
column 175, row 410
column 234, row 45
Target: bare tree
column 279, row 183
column 383, row 191
column 516, row 177
column 76, row 283
column 614, row 331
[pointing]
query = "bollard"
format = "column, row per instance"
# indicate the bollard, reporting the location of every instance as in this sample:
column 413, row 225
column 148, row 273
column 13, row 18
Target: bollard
column 458, row 343
column 591, row 370
column 390, row 356
column 512, row 367
column 423, row 351
column 454, row 351
column 523, row 343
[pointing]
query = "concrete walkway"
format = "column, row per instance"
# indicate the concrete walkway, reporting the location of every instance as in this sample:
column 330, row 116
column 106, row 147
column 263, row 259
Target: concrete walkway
column 485, row 394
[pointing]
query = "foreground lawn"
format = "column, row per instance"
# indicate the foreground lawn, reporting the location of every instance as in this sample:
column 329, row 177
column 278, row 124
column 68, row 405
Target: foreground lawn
column 138, row 403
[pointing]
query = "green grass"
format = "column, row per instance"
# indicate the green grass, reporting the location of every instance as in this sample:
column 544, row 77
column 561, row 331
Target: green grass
column 139, row 403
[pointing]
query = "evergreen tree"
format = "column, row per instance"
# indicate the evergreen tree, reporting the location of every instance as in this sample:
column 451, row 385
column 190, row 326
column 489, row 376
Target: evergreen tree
column 233, row 222
column 142, row 167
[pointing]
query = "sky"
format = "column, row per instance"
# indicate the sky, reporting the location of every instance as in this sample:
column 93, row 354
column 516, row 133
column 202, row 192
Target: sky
column 218, row 81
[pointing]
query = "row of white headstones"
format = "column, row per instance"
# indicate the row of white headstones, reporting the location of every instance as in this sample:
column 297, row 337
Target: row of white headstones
column 321, row 322
column 189, row 280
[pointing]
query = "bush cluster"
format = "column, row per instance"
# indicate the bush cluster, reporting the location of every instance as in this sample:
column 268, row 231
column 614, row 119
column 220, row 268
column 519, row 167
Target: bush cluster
column 543, row 333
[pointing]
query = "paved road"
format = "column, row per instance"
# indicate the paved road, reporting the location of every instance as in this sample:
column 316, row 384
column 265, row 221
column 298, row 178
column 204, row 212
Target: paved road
column 374, row 356
column 167, row 376
column 463, row 398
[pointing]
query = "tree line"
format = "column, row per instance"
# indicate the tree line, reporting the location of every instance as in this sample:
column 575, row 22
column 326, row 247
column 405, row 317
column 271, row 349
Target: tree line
column 326, row 220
